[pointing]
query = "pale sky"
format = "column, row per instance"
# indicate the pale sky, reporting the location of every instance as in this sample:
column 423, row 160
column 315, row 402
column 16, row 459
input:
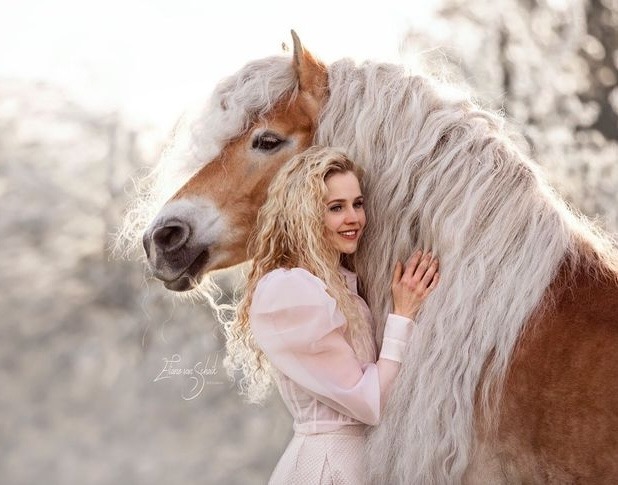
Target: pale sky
column 150, row 59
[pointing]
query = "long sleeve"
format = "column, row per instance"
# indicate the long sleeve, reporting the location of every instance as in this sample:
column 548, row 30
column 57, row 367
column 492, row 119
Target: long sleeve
column 297, row 324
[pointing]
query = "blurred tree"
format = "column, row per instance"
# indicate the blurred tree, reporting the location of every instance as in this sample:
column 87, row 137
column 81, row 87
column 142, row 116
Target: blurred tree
column 551, row 67
column 601, row 53
column 83, row 337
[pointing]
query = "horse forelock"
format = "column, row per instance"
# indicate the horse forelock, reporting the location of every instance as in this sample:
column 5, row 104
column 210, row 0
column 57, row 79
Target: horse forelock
column 235, row 103
column 240, row 99
column 444, row 174
column 199, row 138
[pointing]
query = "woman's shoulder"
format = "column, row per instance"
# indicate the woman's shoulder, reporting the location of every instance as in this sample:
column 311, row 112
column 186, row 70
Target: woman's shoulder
column 293, row 299
column 290, row 286
column 282, row 277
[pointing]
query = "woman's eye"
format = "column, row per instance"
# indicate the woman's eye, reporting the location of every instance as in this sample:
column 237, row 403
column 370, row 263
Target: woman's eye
column 335, row 208
column 266, row 142
column 358, row 204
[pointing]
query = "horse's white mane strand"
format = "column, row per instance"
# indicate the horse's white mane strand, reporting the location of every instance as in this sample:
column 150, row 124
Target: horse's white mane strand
column 442, row 174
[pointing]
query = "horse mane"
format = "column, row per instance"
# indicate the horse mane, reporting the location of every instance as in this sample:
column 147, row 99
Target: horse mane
column 444, row 174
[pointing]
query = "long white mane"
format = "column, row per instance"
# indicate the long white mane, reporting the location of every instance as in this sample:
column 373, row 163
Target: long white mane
column 441, row 174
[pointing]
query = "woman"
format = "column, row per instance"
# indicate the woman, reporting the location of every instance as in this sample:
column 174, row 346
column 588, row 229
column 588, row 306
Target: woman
column 302, row 321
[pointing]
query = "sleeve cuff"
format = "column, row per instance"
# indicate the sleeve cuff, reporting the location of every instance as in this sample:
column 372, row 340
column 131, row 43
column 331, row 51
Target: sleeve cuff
column 397, row 332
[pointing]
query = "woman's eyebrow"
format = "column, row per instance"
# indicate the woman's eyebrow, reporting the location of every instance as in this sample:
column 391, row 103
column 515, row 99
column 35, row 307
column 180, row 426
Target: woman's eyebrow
column 343, row 200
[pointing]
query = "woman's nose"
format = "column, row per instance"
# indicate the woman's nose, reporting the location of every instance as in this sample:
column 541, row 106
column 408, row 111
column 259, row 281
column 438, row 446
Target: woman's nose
column 351, row 215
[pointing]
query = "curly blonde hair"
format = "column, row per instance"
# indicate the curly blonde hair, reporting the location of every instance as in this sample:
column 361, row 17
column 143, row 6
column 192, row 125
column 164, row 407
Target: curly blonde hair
column 290, row 233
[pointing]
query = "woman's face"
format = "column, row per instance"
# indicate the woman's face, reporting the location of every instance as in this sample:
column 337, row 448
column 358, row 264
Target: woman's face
column 344, row 218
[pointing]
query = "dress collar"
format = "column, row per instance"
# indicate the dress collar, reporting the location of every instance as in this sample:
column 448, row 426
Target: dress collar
column 350, row 279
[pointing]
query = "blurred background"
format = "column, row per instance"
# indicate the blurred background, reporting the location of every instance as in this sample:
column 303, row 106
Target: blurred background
column 107, row 378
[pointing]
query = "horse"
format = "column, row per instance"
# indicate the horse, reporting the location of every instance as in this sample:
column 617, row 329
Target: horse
column 511, row 372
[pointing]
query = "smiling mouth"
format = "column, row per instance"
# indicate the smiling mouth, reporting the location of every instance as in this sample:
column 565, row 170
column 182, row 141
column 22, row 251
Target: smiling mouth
column 349, row 235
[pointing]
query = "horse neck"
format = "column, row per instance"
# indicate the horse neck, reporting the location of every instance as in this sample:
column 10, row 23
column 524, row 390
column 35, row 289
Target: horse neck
column 435, row 166
column 442, row 174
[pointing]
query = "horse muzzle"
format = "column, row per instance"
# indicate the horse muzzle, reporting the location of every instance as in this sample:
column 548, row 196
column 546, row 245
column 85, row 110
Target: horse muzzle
column 174, row 255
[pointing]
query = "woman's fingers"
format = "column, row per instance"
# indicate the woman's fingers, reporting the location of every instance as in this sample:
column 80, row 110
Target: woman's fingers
column 432, row 269
column 416, row 274
column 413, row 282
column 434, row 281
column 412, row 262
column 418, row 271
column 415, row 255
column 397, row 273
column 433, row 284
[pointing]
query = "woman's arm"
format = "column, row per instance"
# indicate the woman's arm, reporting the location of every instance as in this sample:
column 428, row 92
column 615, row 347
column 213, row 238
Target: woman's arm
column 297, row 324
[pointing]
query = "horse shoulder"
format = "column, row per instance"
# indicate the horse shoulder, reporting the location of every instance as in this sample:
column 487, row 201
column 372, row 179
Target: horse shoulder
column 558, row 419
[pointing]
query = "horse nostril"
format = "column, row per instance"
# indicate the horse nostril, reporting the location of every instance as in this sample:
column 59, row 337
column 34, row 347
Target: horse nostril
column 171, row 237
column 146, row 243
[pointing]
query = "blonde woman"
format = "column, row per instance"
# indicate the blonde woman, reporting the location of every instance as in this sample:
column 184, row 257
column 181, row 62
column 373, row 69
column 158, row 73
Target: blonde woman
column 303, row 323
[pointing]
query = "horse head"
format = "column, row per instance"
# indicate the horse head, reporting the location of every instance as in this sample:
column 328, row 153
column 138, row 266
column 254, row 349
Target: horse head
column 207, row 222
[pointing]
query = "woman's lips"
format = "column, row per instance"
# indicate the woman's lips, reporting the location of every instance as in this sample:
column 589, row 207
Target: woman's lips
column 349, row 235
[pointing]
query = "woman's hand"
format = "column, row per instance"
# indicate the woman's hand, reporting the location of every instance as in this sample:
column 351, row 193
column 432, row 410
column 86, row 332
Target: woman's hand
column 412, row 284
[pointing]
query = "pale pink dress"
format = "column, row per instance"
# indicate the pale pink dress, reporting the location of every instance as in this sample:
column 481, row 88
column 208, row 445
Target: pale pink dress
column 331, row 392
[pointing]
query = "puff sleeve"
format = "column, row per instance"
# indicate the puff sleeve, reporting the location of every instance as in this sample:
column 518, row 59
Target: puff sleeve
column 298, row 326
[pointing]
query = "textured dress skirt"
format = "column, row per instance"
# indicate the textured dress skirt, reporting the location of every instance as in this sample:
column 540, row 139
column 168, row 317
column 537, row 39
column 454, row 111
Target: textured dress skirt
column 332, row 458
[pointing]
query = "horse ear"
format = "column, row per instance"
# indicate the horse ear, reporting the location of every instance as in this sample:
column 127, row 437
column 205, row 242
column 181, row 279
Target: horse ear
column 312, row 75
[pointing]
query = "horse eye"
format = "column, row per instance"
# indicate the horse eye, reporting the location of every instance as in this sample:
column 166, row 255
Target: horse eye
column 266, row 142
